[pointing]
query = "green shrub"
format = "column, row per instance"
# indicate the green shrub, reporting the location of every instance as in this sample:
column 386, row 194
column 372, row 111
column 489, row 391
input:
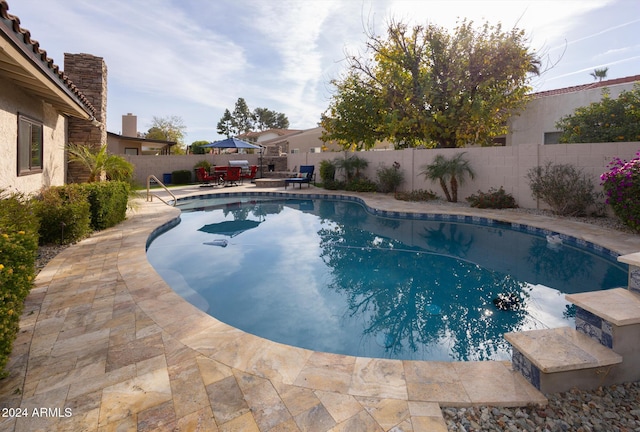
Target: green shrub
column 622, row 186
column 327, row 170
column 18, row 248
column 351, row 166
column 333, row 184
column 108, row 203
column 390, row 178
column 566, row 189
column 203, row 164
column 181, row 177
column 494, row 198
column 360, row 184
column 64, row 213
column 416, row 195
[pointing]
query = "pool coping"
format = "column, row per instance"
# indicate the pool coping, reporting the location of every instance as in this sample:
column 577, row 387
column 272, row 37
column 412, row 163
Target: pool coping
column 598, row 239
column 350, row 390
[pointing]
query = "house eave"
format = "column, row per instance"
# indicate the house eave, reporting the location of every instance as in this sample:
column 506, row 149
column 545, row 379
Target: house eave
column 25, row 64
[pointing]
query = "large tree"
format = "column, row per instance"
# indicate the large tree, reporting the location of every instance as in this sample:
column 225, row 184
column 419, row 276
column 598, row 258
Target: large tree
column 169, row 128
column 226, row 126
column 425, row 86
column 265, row 118
column 610, row 120
column 196, row 147
column 243, row 120
column 242, row 117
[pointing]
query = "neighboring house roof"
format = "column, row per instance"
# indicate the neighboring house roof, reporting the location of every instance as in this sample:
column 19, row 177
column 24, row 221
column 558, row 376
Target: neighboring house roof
column 141, row 140
column 589, row 86
column 24, row 62
column 282, row 138
column 257, row 134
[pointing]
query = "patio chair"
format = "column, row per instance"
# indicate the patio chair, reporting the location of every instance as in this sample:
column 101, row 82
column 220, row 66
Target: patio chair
column 304, row 176
column 251, row 174
column 203, row 178
column 233, row 176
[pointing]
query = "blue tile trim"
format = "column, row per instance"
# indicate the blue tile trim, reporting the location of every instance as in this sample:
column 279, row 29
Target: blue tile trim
column 597, row 328
column 162, row 228
column 527, row 369
column 477, row 220
column 634, row 279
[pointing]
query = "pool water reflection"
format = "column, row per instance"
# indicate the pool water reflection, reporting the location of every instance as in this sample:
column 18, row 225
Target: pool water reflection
column 329, row 276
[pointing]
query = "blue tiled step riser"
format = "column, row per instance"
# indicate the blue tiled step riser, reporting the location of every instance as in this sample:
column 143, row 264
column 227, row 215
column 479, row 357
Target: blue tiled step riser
column 528, row 370
column 634, row 279
column 595, row 327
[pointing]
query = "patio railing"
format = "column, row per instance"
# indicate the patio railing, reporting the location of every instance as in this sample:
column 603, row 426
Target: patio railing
column 150, row 195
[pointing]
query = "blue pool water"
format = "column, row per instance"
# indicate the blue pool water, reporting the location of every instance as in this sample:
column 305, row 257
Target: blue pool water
column 329, row 275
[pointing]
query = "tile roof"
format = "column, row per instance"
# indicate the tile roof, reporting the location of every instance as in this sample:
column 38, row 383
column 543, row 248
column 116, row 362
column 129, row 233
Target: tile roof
column 10, row 25
column 589, row 86
column 279, row 132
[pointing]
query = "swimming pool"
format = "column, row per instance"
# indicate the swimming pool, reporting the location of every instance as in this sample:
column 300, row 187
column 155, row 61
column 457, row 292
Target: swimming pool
column 330, row 275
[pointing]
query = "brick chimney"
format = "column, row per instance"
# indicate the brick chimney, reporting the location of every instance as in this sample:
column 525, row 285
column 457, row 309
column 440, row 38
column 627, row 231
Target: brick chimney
column 89, row 74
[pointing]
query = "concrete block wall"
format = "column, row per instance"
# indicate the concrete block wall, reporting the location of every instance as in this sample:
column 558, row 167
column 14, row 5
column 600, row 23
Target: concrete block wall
column 494, row 166
column 146, row 165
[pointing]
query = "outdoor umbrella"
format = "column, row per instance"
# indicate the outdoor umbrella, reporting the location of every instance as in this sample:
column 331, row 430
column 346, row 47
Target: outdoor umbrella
column 231, row 143
column 230, row 228
column 236, row 144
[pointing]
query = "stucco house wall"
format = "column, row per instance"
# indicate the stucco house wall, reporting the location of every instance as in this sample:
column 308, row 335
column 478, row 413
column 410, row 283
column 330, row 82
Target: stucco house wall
column 546, row 108
column 33, row 86
column 15, row 101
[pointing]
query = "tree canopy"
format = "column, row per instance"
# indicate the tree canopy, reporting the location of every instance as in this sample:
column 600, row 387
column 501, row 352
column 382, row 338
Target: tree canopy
column 610, row 120
column 422, row 86
column 243, row 120
column 169, row 128
column 196, row 147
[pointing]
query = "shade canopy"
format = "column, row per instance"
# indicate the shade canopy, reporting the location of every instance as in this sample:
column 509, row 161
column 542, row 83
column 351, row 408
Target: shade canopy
column 231, row 143
column 230, row 228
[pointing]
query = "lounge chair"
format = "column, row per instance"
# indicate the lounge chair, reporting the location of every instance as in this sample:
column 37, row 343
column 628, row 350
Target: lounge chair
column 203, row 178
column 304, row 176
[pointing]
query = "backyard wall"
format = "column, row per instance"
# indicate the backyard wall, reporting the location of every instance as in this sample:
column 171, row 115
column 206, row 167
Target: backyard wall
column 146, row 165
column 494, row 166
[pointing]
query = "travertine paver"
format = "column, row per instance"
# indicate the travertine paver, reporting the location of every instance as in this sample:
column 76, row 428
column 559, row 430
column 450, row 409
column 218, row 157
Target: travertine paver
column 105, row 345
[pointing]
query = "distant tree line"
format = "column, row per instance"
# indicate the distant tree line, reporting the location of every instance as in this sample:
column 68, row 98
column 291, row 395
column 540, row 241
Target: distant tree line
column 243, row 120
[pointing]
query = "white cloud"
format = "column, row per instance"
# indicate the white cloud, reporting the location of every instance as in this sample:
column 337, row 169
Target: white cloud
column 195, row 58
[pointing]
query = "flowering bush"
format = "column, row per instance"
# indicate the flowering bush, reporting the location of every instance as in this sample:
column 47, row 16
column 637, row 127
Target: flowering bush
column 18, row 246
column 622, row 186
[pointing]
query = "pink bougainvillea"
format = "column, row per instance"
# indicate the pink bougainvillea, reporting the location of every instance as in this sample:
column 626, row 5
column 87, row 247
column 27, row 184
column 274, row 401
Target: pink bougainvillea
column 622, row 186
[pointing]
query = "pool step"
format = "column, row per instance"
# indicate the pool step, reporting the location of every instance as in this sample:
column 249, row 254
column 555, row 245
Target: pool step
column 612, row 317
column 556, row 360
column 603, row 349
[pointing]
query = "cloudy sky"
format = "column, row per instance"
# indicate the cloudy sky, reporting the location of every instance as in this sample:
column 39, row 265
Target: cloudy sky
column 194, row 58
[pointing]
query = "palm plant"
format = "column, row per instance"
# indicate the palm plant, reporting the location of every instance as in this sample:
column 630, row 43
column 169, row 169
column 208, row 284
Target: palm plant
column 351, row 165
column 445, row 170
column 599, row 74
column 459, row 168
column 100, row 164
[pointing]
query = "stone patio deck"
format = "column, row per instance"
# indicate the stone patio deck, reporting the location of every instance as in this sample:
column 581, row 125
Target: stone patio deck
column 105, row 345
